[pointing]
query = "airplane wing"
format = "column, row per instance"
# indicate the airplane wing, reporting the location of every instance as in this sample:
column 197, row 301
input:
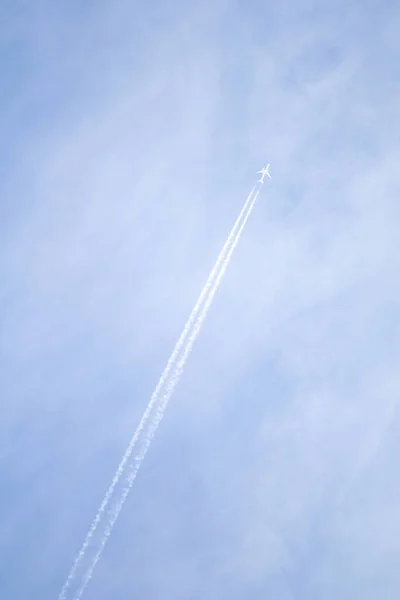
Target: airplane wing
column 264, row 172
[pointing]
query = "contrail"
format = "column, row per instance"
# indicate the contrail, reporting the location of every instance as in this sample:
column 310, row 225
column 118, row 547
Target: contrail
column 163, row 402
column 175, row 353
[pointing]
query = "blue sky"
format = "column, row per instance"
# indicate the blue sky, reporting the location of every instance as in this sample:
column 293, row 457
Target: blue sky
column 131, row 134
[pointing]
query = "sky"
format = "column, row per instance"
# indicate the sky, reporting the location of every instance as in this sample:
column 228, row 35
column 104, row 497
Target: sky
column 131, row 134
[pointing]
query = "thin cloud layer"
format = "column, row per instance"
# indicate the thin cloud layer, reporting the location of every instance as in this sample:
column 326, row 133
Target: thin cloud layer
column 132, row 140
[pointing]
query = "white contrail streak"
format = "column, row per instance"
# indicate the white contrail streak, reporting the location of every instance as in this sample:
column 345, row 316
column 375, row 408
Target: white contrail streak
column 163, row 402
column 153, row 400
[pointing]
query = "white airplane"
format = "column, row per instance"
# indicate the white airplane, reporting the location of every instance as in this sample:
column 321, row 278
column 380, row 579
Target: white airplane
column 264, row 172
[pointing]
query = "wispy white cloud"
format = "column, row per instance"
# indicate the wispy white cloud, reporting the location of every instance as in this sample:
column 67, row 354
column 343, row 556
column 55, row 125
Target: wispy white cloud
column 132, row 136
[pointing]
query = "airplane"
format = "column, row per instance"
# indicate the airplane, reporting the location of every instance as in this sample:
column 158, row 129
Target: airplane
column 264, row 172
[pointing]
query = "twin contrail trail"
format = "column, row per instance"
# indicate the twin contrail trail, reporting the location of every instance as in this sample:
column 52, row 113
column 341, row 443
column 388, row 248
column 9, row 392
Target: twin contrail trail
column 156, row 407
